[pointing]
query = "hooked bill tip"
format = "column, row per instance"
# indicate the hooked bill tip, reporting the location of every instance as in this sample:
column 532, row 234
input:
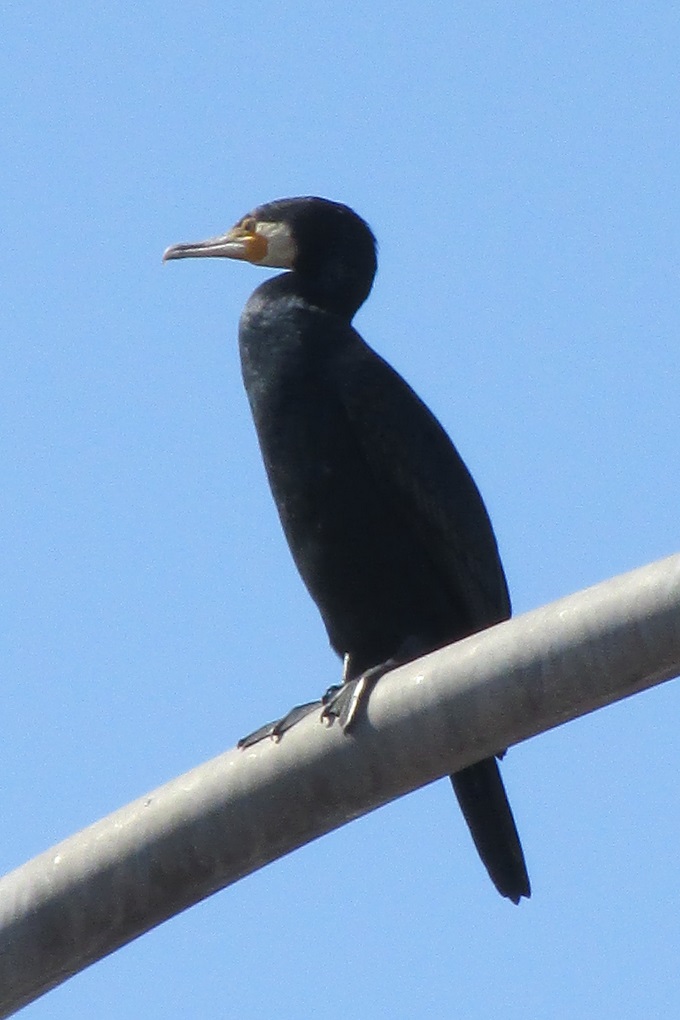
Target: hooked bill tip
column 175, row 251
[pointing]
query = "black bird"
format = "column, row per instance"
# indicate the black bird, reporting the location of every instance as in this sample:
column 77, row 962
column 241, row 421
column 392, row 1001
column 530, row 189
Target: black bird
column 383, row 519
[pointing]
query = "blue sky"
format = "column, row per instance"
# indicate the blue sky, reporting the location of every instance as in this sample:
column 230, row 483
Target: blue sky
column 520, row 168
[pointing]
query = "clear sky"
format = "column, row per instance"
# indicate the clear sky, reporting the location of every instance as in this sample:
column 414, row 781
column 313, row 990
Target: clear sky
column 519, row 165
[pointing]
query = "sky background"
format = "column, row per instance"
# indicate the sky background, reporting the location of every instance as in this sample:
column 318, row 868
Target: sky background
column 519, row 165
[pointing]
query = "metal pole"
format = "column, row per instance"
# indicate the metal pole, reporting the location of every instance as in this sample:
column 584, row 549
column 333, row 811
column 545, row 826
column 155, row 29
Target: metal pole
column 166, row 851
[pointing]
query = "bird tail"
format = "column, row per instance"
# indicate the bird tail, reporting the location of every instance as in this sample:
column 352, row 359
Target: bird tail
column 483, row 801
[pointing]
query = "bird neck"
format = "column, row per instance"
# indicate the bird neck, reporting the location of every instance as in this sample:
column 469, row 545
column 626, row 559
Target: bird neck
column 330, row 289
column 334, row 286
column 284, row 332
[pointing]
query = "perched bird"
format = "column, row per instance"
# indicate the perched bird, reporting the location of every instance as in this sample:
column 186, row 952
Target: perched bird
column 386, row 526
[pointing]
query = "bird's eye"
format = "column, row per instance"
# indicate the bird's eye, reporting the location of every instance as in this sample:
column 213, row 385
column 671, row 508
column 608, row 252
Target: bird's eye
column 249, row 223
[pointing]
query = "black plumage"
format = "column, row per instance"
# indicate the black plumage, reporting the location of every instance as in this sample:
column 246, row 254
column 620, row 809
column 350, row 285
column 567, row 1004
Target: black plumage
column 384, row 521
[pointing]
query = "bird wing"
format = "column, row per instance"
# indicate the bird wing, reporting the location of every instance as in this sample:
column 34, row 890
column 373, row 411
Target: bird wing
column 419, row 470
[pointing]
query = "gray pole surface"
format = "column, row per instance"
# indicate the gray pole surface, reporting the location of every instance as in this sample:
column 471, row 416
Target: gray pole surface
column 122, row 876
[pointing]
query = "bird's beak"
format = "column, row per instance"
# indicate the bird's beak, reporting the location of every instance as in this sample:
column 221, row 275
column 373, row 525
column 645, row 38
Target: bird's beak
column 237, row 243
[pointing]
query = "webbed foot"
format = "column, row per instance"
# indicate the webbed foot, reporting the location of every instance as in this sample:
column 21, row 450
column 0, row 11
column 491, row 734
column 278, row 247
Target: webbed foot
column 341, row 701
column 275, row 730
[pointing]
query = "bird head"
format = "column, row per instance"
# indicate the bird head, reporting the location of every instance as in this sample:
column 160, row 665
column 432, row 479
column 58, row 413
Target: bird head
column 329, row 247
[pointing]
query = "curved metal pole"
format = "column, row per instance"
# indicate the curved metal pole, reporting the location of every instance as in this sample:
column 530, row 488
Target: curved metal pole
column 204, row 830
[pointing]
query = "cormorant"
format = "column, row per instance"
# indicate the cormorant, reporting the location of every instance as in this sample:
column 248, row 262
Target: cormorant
column 385, row 523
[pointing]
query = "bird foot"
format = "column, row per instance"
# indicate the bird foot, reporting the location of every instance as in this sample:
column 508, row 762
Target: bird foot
column 275, row 730
column 343, row 701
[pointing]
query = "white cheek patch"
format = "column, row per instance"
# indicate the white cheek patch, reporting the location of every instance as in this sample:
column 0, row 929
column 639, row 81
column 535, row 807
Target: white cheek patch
column 280, row 245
